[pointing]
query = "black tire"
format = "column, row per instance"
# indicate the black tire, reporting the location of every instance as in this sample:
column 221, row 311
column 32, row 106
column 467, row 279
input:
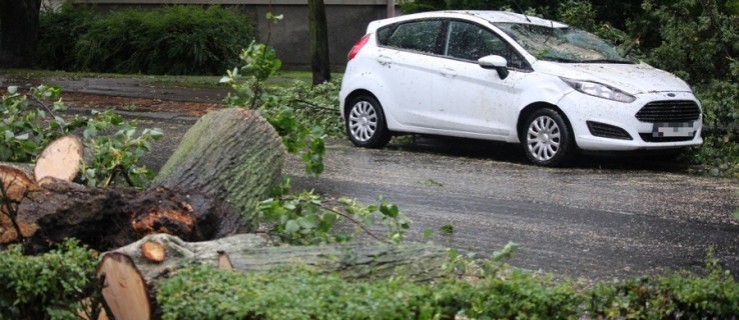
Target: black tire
column 365, row 123
column 547, row 139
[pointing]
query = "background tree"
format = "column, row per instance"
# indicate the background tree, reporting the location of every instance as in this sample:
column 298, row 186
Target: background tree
column 19, row 24
column 318, row 30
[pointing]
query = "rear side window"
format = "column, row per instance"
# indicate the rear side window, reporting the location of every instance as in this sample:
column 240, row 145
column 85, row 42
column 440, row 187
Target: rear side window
column 419, row 36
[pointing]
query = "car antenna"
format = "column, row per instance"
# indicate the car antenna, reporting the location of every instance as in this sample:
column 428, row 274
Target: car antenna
column 518, row 5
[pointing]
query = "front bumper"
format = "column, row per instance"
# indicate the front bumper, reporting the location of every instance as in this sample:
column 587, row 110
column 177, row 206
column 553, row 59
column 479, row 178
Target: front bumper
column 581, row 109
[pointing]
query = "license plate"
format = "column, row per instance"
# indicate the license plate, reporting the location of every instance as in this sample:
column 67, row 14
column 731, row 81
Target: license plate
column 673, row 129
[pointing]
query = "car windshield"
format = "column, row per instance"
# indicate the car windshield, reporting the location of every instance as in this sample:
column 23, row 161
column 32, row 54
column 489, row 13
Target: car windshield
column 562, row 44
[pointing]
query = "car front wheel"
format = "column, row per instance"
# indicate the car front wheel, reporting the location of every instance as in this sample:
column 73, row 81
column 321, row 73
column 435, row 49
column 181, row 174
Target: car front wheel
column 547, row 139
column 365, row 123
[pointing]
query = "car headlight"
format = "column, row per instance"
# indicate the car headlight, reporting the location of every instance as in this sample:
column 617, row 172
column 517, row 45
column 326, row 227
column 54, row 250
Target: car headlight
column 599, row 90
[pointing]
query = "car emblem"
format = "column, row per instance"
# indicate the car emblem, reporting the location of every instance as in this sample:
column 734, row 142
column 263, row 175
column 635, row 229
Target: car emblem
column 671, row 95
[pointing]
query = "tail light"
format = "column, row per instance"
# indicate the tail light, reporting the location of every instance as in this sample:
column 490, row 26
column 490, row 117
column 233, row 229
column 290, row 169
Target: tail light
column 358, row 46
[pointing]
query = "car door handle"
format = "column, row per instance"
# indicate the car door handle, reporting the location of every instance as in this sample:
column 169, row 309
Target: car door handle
column 449, row 73
column 384, row 60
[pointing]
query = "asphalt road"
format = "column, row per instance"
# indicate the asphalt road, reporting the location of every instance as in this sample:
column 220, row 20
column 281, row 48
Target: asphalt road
column 600, row 219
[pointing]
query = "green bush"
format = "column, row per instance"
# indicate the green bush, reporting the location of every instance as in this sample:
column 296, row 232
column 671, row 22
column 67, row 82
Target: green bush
column 698, row 40
column 169, row 40
column 59, row 32
column 206, row 293
column 518, row 295
column 203, row 292
column 49, row 286
column 680, row 296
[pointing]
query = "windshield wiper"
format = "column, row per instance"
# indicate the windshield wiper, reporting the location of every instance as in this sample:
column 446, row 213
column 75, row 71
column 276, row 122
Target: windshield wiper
column 607, row 61
column 563, row 60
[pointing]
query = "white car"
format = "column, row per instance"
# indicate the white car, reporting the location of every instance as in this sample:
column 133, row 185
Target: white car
column 509, row 77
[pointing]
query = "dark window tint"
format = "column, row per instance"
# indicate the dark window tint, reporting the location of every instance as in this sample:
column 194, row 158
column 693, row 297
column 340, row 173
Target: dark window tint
column 468, row 41
column 417, row 35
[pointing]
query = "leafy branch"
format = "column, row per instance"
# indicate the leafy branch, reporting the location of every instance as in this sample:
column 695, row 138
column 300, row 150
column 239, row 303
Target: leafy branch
column 305, row 218
column 25, row 135
column 250, row 92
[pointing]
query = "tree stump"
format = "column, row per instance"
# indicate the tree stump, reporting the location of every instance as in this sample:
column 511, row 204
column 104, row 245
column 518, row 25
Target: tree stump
column 234, row 156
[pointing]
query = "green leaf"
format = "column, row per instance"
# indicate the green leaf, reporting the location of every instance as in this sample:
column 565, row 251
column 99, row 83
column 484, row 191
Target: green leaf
column 389, row 210
column 292, row 226
column 329, row 217
column 427, row 233
column 308, row 222
column 89, row 132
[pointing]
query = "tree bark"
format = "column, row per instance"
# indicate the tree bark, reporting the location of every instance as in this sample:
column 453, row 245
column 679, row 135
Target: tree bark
column 227, row 162
column 19, row 25
column 318, row 31
column 253, row 253
column 233, row 156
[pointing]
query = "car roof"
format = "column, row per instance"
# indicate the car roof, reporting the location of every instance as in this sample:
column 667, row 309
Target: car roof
column 490, row 16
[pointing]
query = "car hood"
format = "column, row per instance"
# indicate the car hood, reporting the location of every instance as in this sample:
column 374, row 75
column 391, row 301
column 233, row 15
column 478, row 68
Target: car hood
column 631, row 78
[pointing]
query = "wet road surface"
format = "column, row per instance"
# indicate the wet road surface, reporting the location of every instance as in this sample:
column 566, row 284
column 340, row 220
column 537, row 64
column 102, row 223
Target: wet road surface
column 602, row 218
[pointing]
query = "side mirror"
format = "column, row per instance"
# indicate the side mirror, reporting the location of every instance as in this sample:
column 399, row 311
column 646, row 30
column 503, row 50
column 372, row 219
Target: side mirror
column 495, row 62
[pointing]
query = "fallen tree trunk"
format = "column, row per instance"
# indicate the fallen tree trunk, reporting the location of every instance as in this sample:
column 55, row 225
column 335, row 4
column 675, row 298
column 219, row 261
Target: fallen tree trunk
column 253, row 253
column 129, row 275
column 208, row 189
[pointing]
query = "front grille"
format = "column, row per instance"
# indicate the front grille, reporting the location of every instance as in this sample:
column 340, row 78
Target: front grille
column 607, row 131
column 649, row 137
column 669, row 111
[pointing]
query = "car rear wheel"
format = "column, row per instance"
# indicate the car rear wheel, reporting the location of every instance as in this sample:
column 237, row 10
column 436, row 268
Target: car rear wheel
column 365, row 123
column 547, row 139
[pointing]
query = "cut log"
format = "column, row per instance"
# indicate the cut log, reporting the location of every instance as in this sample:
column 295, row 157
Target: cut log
column 154, row 251
column 226, row 163
column 124, row 290
column 26, row 168
column 233, row 155
column 61, row 159
column 14, row 185
column 252, row 253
